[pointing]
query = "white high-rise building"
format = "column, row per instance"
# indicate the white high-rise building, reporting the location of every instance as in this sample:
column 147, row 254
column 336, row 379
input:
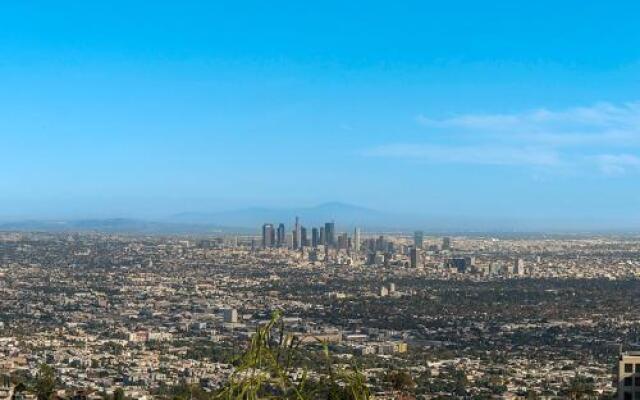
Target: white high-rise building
column 356, row 240
column 297, row 236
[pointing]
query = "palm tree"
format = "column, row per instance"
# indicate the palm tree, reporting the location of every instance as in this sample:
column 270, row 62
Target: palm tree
column 264, row 372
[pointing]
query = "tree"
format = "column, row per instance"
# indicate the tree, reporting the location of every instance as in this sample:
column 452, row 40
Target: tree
column 118, row 394
column 20, row 387
column 45, row 382
column 400, row 381
column 580, row 388
column 265, row 370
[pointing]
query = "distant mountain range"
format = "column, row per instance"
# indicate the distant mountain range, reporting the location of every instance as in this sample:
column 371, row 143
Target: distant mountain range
column 250, row 220
column 112, row 225
column 345, row 215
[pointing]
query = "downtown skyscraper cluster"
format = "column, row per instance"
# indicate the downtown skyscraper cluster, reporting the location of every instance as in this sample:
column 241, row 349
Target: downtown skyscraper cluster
column 300, row 237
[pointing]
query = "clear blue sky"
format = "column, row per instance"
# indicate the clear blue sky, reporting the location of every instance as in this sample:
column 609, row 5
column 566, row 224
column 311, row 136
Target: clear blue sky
column 495, row 109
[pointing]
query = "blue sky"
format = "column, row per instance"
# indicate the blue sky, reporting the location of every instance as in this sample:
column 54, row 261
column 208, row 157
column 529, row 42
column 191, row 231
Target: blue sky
column 488, row 109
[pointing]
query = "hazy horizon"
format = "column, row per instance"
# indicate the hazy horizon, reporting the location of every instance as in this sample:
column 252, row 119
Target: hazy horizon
column 346, row 215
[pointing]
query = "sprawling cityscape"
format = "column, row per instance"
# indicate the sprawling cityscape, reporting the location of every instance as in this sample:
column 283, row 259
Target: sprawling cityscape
column 421, row 316
column 320, row 200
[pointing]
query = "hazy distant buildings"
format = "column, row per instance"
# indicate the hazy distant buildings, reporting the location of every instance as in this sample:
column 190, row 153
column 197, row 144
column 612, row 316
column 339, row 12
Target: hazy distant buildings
column 268, row 235
column 380, row 244
column 446, row 243
column 461, row 264
column 297, row 234
column 418, row 239
column 298, row 238
column 414, row 255
column 356, row 240
column 281, row 236
column 330, row 234
column 343, row 241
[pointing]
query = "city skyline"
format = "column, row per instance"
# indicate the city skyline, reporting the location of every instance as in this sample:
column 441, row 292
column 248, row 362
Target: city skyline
column 330, row 200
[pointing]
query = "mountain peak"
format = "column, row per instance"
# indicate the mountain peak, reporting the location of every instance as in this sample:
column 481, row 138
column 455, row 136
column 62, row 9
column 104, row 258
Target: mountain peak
column 342, row 213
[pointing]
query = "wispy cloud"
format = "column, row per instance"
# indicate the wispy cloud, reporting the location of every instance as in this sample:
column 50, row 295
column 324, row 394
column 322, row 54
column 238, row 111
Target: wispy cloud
column 602, row 123
column 615, row 164
column 486, row 155
column 602, row 137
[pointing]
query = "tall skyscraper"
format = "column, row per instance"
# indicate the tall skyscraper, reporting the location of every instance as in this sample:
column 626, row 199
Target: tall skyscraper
column 315, row 237
column 446, row 243
column 343, row 240
column 371, row 245
column 381, row 244
column 323, row 238
column 304, row 241
column 418, row 239
column 356, row 240
column 272, row 236
column 280, row 237
column 415, row 257
column 268, row 235
column 330, row 234
column 297, row 237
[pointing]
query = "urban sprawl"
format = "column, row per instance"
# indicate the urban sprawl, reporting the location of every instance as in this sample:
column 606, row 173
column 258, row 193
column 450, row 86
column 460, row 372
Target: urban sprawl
column 419, row 316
